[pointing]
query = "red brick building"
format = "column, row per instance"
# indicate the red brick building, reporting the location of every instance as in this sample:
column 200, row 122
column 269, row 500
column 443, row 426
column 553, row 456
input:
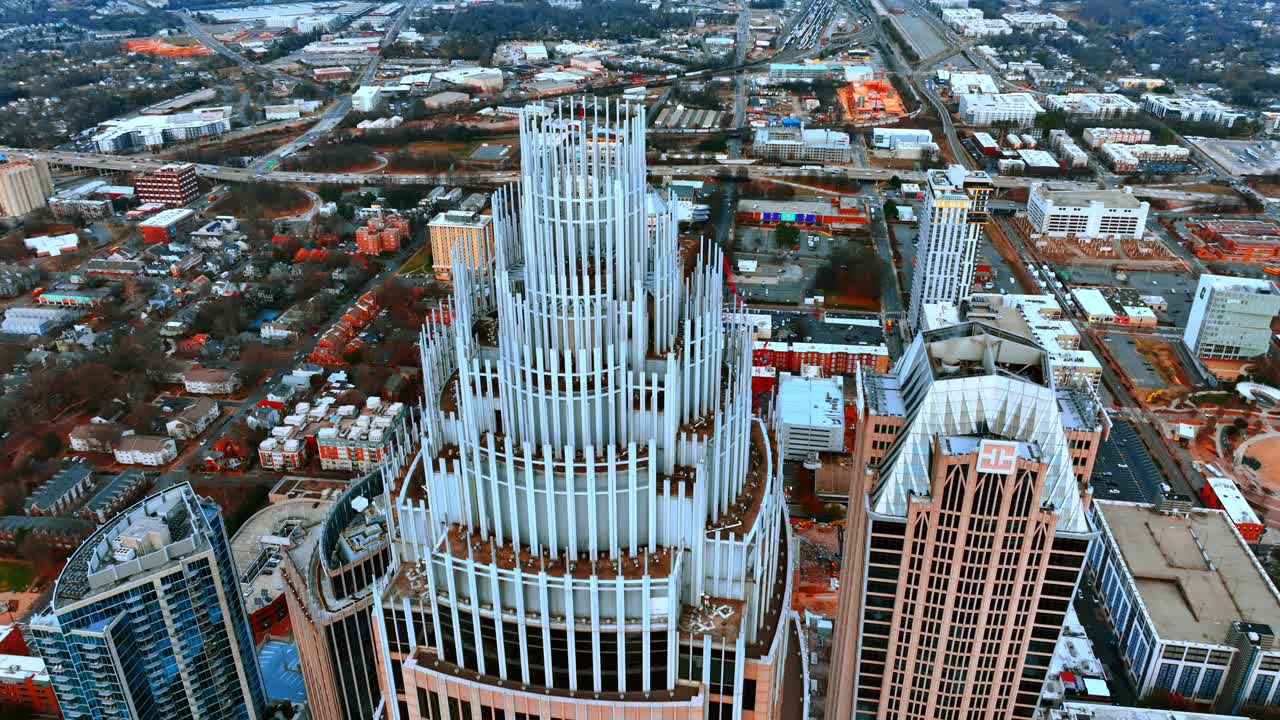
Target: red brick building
column 173, row 185
column 1221, row 493
column 24, row 680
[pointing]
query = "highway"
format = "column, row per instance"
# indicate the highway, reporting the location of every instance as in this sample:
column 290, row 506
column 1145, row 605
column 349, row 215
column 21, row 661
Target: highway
column 337, row 112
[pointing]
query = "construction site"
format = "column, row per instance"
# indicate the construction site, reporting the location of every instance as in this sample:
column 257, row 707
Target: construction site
column 870, row 102
column 1148, row 253
column 172, row 47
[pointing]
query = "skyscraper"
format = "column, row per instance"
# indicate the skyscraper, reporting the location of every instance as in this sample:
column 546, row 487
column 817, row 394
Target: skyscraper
column 966, row 533
column 146, row 620
column 955, row 209
column 594, row 524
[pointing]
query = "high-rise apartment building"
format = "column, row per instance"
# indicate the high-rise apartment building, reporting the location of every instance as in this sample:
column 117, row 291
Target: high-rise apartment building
column 173, row 185
column 593, row 524
column 146, row 621
column 24, row 186
column 470, row 233
column 955, row 209
column 967, row 530
column 1231, row 317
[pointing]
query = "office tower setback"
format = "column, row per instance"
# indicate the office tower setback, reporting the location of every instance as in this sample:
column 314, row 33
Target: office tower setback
column 966, row 533
column 146, row 620
column 955, row 209
column 593, row 526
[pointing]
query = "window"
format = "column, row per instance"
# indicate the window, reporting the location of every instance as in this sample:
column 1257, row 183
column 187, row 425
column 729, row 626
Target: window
column 1187, row 681
column 1261, row 689
column 1164, row 680
column 1209, row 685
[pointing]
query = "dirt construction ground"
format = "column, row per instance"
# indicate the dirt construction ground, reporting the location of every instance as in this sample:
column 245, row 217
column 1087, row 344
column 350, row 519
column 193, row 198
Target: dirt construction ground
column 1267, row 452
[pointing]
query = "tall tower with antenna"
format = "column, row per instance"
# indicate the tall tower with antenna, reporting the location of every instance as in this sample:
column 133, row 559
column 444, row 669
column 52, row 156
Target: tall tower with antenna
column 593, row 525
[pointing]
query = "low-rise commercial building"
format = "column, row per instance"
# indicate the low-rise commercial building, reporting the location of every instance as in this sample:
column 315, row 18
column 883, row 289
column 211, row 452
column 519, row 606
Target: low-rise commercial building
column 809, row 415
column 890, row 138
column 168, row 225
column 1191, row 609
column 52, row 245
column 366, row 99
column 1111, row 308
column 156, row 130
column 985, row 109
column 26, row 320
column 844, row 212
column 786, row 143
column 1059, row 211
column 1221, row 493
column 967, row 83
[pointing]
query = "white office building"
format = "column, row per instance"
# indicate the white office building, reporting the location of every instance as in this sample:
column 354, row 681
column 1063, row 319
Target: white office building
column 157, row 130
column 1055, row 210
column 890, row 138
column 987, row 108
column 955, row 209
column 1231, row 317
column 810, row 415
column 1172, row 107
column 796, row 143
column 366, row 99
column 1094, row 106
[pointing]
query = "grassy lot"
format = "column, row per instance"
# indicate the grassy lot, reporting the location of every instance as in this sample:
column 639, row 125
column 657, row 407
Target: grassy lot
column 419, row 264
column 15, row 576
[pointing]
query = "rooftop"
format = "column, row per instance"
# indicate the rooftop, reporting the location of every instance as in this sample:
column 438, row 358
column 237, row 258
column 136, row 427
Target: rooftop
column 811, row 401
column 257, row 547
column 53, row 489
column 1193, row 572
column 1070, row 196
column 162, row 529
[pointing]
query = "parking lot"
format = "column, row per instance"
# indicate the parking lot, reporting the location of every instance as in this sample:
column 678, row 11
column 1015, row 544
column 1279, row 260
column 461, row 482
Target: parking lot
column 1124, row 469
column 1132, row 362
column 1175, row 288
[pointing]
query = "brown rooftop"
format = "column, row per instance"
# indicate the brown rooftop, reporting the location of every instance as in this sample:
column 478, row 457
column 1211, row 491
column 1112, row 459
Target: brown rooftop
column 1193, row 572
